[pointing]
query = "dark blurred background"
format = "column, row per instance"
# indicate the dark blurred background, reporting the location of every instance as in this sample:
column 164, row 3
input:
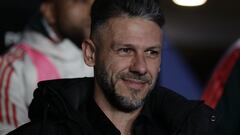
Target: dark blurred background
column 14, row 14
column 200, row 34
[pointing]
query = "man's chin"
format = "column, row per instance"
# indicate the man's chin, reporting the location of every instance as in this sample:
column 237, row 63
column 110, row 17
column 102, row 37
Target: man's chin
column 127, row 105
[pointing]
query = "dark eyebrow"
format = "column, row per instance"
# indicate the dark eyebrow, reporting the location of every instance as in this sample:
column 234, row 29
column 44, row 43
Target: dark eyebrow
column 157, row 46
column 114, row 46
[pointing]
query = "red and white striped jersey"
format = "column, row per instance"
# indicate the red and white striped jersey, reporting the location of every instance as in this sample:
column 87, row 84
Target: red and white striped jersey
column 34, row 59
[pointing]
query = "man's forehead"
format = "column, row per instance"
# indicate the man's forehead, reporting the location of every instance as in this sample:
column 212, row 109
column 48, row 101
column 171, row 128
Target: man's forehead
column 133, row 27
column 125, row 21
column 125, row 30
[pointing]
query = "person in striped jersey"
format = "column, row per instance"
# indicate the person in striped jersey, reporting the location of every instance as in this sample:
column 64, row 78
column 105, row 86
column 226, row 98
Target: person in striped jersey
column 222, row 92
column 44, row 52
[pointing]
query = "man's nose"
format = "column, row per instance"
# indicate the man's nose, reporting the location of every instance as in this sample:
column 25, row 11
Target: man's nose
column 139, row 64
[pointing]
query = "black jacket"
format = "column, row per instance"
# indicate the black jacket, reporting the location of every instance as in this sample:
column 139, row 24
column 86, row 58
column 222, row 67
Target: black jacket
column 58, row 109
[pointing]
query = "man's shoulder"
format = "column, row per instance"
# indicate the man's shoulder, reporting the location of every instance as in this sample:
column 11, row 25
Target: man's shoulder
column 68, row 89
column 182, row 114
column 55, row 108
column 61, row 96
column 62, row 85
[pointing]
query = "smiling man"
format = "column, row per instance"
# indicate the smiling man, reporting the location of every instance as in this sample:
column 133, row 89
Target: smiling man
column 122, row 98
column 126, row 63
column 126, row 60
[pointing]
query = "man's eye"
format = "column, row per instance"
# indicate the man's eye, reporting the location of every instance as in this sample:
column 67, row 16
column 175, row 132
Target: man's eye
column 125, row 51
column 152, row 53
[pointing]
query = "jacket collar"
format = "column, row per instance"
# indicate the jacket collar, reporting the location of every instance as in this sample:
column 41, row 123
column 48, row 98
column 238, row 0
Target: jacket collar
column 54, row 95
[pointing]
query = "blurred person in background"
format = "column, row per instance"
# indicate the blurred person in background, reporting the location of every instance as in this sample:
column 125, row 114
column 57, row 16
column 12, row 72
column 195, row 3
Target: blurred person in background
column 223, row 92
column 44, row 52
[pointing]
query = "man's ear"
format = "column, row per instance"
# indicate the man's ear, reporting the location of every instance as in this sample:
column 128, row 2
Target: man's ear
column 48, row 11
column 89, row 50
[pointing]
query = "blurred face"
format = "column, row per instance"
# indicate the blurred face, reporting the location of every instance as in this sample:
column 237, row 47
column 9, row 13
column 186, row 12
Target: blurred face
column 72, row 19
column 127, row 61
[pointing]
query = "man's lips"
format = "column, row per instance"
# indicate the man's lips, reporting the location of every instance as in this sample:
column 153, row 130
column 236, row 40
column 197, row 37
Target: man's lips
column 135, row 84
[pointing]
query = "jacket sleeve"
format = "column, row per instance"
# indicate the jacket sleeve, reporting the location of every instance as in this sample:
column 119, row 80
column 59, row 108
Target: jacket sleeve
column 182, row 116
column 202, row 120
column 13, row 98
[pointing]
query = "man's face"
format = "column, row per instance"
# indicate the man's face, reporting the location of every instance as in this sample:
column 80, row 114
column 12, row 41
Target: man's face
column 127, row 60
column 73, row 19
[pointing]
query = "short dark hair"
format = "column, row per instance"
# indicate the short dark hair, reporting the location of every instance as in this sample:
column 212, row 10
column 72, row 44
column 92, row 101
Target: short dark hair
column 102, row 10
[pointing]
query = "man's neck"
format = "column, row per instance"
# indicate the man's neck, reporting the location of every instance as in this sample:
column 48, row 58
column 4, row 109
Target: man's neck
column 122, row 121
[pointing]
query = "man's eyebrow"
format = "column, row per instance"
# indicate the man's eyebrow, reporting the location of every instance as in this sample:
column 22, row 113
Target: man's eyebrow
column 131, row 45
column 155, row 47
column 117, row 45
